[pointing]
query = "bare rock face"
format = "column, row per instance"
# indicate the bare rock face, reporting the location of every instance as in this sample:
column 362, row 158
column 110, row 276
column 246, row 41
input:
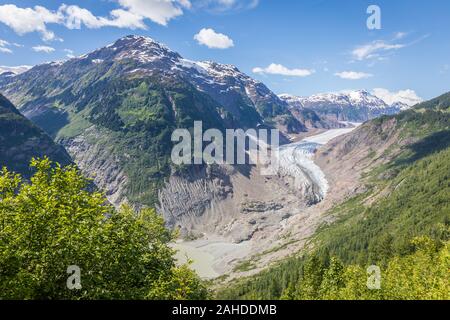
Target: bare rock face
column 345, row 160
column 236, row 203
column 257, row 206
column 184, row 199
column 98, row 163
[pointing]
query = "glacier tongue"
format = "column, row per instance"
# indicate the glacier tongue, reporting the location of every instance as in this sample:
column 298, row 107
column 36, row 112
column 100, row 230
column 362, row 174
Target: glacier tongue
column 296, row 162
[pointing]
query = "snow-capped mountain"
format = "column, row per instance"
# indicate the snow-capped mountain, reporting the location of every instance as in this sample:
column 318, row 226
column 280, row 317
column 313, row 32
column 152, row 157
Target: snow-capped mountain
column 114, row 110
column 14, row 70
column 8, row 72
column 356, row 106
column 223, row 82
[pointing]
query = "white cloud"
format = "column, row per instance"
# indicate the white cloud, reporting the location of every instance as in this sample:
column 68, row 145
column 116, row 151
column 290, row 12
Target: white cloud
column 400, row 35
column 408, row 96
column 15, row 69
column 379, row 49
column 213, row 40
column 45, row 49
column 5, row 50
column 131, row 15
column 353, row 75
column 279, row 69
column 374, row 49
column 3, row 46
column 159, row 11
column 75, row 17
column 26, row 20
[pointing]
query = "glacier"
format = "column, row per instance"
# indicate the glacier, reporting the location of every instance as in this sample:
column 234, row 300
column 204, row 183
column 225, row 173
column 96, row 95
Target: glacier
column 296, row 161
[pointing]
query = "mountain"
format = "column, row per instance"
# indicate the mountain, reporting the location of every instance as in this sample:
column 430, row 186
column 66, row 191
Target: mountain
column 21, row 140
column 240, row 100
column 114, row 110
column 6, row 73
column 6, row 76
column 390, row 184
column 354, row 106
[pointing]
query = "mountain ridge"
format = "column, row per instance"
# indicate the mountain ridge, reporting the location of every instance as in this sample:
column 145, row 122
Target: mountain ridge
column 21, row 140
column 226, row 84
column 115, row 108
column 348, row 105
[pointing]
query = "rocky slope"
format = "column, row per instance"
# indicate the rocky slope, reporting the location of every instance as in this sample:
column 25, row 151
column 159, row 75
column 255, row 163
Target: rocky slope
column 354, row 106
column 21, row 140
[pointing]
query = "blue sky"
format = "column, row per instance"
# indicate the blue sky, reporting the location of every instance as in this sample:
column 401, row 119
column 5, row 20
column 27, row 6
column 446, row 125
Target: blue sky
column 298, row 47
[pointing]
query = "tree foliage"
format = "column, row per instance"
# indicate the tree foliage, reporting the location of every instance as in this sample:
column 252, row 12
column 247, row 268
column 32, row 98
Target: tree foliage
column 53, row 222
column 421, row 275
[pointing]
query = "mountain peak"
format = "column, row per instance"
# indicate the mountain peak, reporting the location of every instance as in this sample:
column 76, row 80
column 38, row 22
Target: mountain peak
column 134, row 40
column 140, row 48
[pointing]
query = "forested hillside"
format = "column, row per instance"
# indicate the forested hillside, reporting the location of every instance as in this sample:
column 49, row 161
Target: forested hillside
column 21, row 140
column 401, row 223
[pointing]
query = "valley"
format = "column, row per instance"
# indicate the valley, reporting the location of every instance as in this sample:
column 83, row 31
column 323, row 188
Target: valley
column 342, row 157
column 215, row 255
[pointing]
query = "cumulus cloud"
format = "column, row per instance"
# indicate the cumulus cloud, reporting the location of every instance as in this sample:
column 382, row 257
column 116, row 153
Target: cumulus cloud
column 15, row 69
column 408, row 96
column 131, row 15
column 45, row 49
column 353, row 75
column 159, row 11
column 26, row 20
column 210, row 38
column 278, row 69
column 75, row 17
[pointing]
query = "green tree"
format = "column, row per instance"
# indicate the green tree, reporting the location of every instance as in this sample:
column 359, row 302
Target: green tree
column 53, row 222
column 333, row 280
column 309, row 285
